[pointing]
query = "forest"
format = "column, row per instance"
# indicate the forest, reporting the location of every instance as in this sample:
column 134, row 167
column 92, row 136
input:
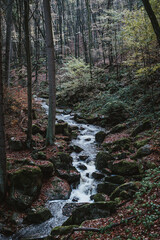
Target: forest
column 79, row 119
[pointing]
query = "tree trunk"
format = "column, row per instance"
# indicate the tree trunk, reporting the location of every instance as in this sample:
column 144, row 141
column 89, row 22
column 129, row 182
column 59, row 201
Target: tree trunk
column 29, row 72
column 2, row 135
column 8, row 41
column 51, row 74
column 153, row 19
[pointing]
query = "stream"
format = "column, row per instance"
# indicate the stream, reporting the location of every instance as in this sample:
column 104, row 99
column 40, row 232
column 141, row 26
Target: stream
column 86, row 187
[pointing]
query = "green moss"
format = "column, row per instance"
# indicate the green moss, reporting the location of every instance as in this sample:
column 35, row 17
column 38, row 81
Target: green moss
column 62, row 230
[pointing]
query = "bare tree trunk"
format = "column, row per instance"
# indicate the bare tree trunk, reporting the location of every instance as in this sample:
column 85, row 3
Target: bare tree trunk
column 8, row 41
column 2, row 135
column 29, row 72
column 51, row 73
column 153, row 19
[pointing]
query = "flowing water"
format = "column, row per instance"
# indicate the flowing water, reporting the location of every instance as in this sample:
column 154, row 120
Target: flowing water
column 87, row 186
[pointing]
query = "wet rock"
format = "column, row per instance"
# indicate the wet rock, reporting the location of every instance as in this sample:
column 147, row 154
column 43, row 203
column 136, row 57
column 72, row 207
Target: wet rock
column 88, row 139
column 73, row 127
column 70, row 175
column 15, row 144
column 121, row 144
column 115, row 179
column 106, row 187
column 83, row 157
column 38, row 155
column 143, row 151
column 91, row 211
column 99, row 197
column 63, row 161
column 70, row 207
column 102, row 160
column 75, row 199
column 100, row 136
column 38, row 215
column 76, row 149
column 59, row 189
column 67, row 111
column 61, row 127
column 118, row 128
column 125, row 167
column 130, row 188
column 121, row 156
column 46, row 167
column 97, row 175
column 24, row 186
column 82, row 166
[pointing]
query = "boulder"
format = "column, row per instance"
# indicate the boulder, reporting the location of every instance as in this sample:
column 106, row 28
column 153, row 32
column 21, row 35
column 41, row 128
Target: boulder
column 143, row 151
column 46, row 167
column 125, row 167
column 70, row 175
column 82, row 166
column 38, row 155
column 76, row 148
column 15, row 144
column 141, row 143
column 38, row 215
column 115, row 179
column 99, row 197
column 61, row 128
column 97, row 175
column 130, row 188
column 59, row 189
column 91, row 211
column 36, row 129
column 106, row 187
column 118, row 128
column 24, row 186
column 100, row 136
column 142, row 127
column 83, row 157
column 63, row 161
column 102, row 160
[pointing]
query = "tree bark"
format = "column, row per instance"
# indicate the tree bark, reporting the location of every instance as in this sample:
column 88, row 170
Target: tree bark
column 153, row 19
column 51, row 73
column 8, row 41
column 2, row 135
column 29, row 71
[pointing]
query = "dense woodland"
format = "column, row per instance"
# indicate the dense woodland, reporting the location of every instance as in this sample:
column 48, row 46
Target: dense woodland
column 100, row 61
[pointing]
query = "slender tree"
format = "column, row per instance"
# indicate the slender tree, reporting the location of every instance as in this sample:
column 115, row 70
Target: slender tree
column 29, row 71
column 51, row 73
column 2, row 135
column 152, row 18
column 8, row 41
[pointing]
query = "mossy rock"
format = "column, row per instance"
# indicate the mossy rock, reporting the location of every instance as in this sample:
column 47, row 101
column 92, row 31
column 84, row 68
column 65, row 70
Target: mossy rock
column 62, row 128
column 24, row 186
column 99, row 197
column 121, row 144
column 142, row 127
column 46, row 167
column 59, row 189
column 125, row 167
column 76, row 148
column 115, row 179
column 130, row 188
column 38, row 155
column 63, row 161
column 106, row 187
column 36, row 129
column 63, row 230
column 102, row 160
column 15, row 145
column 97, row 175
column 141, row 143
column 70, row 175
column 100, row 136
column 142, row 152
column 118, row 128
column 38, row 215
column 91, row 211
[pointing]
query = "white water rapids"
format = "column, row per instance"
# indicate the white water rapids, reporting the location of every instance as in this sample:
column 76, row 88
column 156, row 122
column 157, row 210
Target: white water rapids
column 87, row 186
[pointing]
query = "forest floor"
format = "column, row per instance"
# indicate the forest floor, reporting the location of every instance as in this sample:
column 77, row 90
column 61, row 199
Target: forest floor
column 144, row 208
